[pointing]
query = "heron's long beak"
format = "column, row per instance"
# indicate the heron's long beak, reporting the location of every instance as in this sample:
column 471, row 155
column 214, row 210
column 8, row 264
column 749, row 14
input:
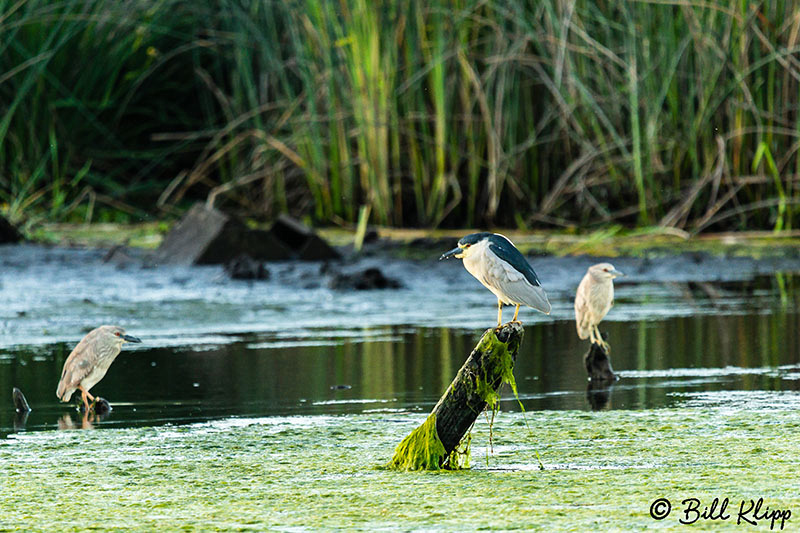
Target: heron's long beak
column 617, row 273
column 130, row 338
column 451, row 253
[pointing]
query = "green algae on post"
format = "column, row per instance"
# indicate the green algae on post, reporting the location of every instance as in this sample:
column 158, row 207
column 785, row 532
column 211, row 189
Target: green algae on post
column 420, row 450
column 459, row 458
column 443, row 441
column 500, row 363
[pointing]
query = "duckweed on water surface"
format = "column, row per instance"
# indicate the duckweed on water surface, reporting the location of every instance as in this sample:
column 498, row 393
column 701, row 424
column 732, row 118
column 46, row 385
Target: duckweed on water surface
column 602, row 470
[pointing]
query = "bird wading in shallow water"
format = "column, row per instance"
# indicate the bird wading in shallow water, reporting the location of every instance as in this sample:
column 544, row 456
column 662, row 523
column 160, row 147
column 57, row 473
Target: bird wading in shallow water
column 593, row 300
column 501, row 268
column 89, row 361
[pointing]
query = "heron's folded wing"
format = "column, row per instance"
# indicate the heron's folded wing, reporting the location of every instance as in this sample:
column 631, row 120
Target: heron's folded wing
column 508, row 253
column 582, row 311
column 514, row 283
column 521, row 291
column 76, row 367
column 518, row 289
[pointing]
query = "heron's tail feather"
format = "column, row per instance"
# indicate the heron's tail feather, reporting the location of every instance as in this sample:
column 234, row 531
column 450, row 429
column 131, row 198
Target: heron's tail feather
column 537, row 299
column 583, row 333
column 63, row 393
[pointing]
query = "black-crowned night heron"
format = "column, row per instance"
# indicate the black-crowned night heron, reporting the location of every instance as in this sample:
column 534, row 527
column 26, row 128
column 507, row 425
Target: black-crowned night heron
column 501, row 268
column 89, row 361
column 593, row 300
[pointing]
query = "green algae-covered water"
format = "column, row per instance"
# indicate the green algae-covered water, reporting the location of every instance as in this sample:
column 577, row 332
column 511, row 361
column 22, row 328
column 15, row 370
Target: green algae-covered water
column 601, row 471
column 276, row 406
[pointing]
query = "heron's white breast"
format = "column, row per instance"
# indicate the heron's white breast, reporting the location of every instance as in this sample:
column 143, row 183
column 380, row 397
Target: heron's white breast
column 601, row 298
column 489, row 269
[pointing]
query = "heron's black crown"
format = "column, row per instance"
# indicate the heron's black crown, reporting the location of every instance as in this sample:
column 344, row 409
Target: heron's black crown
column 505, row 250
column 474, row 238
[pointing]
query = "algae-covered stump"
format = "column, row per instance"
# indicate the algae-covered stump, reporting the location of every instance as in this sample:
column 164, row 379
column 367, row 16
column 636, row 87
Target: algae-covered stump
column 435, row 443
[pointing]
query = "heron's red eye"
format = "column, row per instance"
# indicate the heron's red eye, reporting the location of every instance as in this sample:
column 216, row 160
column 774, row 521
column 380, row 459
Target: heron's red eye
column 604, row 270
column 117, row 334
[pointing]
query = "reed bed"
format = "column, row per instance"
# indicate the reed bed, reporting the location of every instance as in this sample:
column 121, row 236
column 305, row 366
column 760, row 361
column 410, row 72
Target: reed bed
column 565, row 113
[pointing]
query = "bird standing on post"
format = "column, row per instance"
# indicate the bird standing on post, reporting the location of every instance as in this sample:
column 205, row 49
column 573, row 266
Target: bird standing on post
column 501, row 268
column 89, row 361
column 593, row 300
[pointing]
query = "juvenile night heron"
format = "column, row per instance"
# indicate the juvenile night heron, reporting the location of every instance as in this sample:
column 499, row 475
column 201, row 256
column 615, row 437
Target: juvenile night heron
column 593, row 300
column 89, row 361
column 501, row 268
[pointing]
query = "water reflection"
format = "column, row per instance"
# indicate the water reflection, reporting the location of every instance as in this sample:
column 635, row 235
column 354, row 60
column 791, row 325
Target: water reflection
column 20, row 420
column 660, row 361
column 598, row 393
column 82, row 420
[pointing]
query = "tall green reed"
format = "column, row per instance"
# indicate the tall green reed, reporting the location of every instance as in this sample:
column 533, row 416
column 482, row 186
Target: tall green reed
column 82, row 84
column 461, row 112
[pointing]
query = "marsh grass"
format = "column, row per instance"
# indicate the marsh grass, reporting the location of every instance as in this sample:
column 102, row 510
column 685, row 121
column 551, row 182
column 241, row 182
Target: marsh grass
column 559, row 113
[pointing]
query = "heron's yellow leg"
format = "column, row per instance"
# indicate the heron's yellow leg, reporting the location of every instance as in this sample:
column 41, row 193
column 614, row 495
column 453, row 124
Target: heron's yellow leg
column 84, row 394
column 600, row 340
column 499, row 312
column 515, row 314
column 89, row 394
column 85, row 401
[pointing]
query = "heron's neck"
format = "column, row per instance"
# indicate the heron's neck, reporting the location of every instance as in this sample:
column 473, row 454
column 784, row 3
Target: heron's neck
column 473, row 259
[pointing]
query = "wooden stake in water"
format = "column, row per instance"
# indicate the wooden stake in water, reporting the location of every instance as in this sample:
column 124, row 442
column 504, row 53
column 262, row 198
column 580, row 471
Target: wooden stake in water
column 435, row 444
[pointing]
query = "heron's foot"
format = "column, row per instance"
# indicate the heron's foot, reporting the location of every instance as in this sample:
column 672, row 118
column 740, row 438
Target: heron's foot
column 93, row 406
column 604, row 345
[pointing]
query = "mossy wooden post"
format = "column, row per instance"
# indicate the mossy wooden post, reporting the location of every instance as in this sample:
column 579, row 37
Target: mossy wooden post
column 433, row 445
column 601, row 375
column 598, row 363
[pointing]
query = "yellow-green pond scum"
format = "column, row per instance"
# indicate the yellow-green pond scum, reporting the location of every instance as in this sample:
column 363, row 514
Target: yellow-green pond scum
column 601, row 471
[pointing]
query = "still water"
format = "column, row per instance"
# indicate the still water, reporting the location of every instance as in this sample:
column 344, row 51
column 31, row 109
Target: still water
column 715, row 342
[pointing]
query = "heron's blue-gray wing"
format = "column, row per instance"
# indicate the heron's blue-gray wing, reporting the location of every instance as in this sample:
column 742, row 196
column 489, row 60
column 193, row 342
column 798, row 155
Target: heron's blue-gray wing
column 506, row 251
column 517, row 279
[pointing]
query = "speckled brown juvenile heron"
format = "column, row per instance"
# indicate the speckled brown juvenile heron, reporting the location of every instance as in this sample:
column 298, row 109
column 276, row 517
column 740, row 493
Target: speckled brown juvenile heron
column 593, row 300
column 89, row 361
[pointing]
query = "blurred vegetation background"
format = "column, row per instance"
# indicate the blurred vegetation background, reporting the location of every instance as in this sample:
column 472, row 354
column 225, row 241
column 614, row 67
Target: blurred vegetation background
column 523, row 113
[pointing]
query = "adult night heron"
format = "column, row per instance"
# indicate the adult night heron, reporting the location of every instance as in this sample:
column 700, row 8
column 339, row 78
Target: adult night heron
column 593, row 300
column 89, row 361
column 501, row 268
